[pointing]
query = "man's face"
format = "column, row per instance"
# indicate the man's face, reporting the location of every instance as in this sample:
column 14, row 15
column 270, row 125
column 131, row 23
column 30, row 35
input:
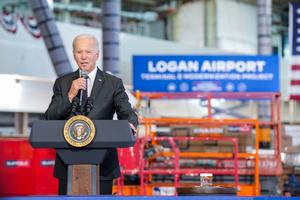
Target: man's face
column 85, row 53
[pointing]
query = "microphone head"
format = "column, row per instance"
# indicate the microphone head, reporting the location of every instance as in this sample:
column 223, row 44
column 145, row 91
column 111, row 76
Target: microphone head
column 89, row 101
column 75, row 106
column 83, row 74
column 88, row 105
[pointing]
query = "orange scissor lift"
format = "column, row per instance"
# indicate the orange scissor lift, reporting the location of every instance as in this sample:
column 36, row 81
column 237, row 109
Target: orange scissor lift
column 233, row 163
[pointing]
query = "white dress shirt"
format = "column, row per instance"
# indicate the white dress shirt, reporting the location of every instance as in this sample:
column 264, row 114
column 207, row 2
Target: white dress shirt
column 91, row 80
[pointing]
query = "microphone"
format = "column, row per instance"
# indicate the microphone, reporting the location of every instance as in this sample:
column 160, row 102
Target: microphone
column 75, row 106
column 82, row 74
column 88, row 106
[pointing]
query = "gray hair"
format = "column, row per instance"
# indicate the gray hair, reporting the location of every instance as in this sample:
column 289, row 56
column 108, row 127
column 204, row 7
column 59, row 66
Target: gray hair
column 85, row 35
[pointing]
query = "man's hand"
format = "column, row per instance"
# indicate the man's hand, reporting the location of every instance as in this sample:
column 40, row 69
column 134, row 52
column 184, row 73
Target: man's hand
column 77, row 84
column 133, row 128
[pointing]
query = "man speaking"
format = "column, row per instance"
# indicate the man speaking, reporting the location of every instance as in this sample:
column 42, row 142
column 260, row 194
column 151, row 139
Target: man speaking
column 90, row 85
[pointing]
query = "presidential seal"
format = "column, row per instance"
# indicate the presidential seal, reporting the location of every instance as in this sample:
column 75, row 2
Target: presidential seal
column 79, row 131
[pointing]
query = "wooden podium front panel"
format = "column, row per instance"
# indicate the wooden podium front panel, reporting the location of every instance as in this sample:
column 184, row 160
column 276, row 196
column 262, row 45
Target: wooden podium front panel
column 84, row 180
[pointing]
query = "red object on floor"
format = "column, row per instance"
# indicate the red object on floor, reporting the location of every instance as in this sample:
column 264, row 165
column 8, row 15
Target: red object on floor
column 129, row 157
column 24, row 170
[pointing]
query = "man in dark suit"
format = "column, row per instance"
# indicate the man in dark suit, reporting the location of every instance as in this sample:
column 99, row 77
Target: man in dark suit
column 108, row 96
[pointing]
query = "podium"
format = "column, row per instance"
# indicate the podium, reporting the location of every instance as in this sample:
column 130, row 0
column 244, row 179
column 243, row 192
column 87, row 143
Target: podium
column 83, row 170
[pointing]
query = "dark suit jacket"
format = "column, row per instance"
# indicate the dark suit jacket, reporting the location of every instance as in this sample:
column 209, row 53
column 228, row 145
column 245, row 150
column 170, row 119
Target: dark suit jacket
column 108, row 96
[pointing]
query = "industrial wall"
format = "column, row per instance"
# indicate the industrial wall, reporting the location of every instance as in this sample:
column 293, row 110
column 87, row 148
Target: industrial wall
column 228, row 25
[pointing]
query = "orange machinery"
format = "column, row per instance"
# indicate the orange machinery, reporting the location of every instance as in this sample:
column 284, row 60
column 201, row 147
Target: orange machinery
column 265, row 165
column 244, row 189
column 270, row 163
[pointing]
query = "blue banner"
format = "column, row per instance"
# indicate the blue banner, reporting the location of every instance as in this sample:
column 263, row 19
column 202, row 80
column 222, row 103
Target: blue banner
column 205, row 73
